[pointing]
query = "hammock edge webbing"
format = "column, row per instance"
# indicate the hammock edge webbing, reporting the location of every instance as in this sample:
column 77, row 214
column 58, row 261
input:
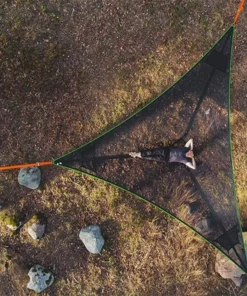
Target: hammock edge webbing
column 57, row 162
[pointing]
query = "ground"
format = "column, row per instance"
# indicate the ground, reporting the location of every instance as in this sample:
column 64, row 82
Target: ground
column 69, row 71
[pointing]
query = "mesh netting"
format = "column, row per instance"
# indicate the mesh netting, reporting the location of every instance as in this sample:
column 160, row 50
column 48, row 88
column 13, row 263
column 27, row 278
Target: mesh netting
column 195, row 107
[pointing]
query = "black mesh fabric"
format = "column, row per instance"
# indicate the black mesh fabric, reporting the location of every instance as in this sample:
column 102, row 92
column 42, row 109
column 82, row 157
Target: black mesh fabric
column 195, row 107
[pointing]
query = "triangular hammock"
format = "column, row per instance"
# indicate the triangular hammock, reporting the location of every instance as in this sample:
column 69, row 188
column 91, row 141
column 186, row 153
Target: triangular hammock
column 196, row 106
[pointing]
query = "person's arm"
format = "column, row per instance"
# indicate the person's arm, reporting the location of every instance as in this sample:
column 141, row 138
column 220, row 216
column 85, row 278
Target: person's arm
column 192, row 164
column 189, row 144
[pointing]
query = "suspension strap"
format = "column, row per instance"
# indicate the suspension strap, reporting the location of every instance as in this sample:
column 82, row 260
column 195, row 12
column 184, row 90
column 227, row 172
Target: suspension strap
column 240, row 9
column 27, row 165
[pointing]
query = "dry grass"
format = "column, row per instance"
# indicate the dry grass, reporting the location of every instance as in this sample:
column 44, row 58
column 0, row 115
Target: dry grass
column 143, row 252
column 239, row 141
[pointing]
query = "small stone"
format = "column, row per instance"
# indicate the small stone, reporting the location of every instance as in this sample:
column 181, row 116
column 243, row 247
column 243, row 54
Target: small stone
column 30, row 177
column 40, row 278
column 36, row 231
column 207, row 112
column 92, row 238
column 36, row 227
column 204, row 225
column 193, row 207
column 228, row 270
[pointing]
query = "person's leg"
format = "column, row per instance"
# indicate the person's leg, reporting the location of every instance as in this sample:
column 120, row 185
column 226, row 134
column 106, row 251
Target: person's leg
column 147, row 154
column 157, row 154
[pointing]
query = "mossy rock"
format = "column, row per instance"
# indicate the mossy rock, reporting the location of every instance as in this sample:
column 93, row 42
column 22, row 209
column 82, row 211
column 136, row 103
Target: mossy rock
column 9, row 220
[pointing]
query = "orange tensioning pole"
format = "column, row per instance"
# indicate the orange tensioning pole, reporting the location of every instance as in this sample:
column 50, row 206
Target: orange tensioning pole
column 20, row 166
column 241, row 8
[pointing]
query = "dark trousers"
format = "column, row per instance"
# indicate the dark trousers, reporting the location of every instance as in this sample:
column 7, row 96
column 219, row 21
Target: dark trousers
column 157, row 154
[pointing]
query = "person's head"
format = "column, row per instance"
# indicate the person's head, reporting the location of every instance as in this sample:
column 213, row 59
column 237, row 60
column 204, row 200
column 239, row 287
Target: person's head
column 189, row 154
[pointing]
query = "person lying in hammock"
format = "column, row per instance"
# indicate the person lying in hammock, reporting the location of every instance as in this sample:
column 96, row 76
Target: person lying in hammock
column 183, row 155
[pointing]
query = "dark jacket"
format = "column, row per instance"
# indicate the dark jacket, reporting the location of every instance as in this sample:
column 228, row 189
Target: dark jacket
column 167, row 154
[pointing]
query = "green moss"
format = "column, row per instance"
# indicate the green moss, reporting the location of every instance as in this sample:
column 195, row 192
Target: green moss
column 11, row 221
column 35, row 218
column 8, row 220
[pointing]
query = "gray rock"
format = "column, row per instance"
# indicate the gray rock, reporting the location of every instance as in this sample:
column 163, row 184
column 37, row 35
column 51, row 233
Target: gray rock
column 228, row 270
column 40, row 278
column 204, row 225
column 92, row 239
column 30, row 177
column 36, row 230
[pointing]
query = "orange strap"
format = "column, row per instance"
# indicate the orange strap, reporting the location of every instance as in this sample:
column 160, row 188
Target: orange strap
column 20, row 166
column 241, row 8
